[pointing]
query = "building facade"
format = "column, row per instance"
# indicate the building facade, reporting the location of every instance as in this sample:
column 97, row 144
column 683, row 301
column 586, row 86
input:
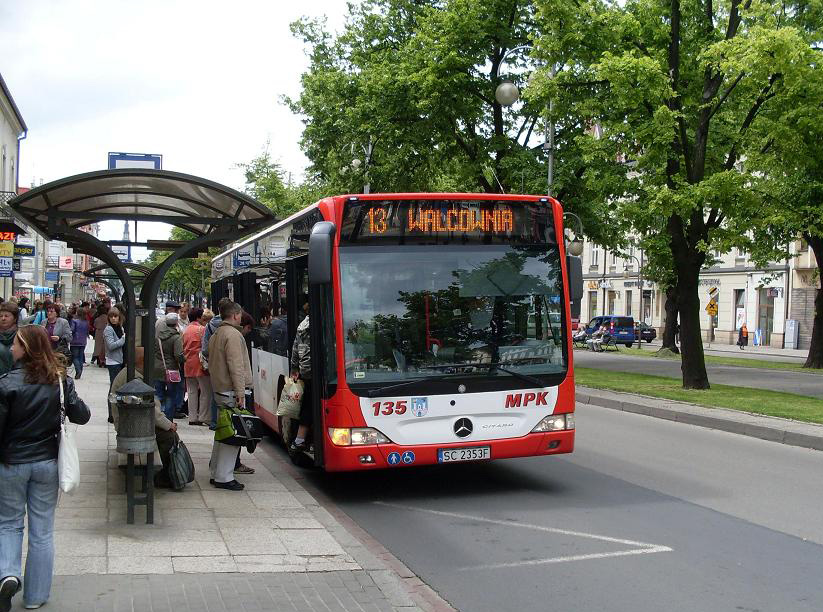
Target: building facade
column 771, row 301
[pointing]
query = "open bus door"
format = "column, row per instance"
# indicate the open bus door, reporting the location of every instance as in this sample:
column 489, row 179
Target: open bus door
column 298, row 292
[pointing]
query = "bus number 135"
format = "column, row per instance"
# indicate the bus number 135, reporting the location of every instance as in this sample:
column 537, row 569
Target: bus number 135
column 387, row 408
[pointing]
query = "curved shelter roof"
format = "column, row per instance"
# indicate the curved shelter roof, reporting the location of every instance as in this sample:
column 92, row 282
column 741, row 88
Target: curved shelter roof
column 135, row 194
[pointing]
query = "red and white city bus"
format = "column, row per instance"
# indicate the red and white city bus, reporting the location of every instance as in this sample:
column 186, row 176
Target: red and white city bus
column 442, row 325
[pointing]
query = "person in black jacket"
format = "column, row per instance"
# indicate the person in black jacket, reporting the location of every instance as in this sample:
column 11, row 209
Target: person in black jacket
column 29, row 439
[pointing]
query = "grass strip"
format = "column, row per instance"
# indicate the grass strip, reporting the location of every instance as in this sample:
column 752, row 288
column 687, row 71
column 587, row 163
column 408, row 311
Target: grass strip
column 741, row 362
column 759, row 401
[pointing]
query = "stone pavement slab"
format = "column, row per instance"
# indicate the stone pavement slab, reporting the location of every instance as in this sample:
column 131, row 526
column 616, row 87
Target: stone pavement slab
column 269, row 547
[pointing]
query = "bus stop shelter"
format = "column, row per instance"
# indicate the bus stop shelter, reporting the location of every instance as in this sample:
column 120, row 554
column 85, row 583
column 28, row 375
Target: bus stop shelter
column 214, row 213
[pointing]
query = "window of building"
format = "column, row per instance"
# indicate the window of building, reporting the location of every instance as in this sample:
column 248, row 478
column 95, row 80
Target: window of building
column 628, row 303
column 595, row 255
column 592, row 305
column 612, row 298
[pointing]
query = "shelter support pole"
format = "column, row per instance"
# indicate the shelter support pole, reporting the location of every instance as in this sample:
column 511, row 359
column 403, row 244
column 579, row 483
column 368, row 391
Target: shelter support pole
column 151, row 287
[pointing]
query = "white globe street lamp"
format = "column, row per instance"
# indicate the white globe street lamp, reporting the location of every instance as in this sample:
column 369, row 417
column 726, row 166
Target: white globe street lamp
column 507, row 93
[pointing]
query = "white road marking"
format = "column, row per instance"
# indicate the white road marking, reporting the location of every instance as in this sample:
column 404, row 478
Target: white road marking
column 643, row 548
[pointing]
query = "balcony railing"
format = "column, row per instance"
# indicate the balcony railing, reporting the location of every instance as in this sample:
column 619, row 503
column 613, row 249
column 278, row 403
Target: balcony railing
column 5, row 198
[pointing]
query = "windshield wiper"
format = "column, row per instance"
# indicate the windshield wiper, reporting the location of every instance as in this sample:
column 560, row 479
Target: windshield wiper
column 494, row 364
column 381, row 390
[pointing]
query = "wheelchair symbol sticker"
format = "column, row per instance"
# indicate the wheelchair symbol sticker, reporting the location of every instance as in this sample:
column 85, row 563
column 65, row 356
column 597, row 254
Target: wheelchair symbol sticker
column 393, row 458
column 408, row 457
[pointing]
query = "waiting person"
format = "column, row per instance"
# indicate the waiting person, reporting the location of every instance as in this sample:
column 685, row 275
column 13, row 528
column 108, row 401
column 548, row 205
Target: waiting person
column 114, row 338
column 57, row 327
column 183, row 315
column 165, row 431
column 204, row 350
column 168, row 355
column 9, row 315
column 301, row 369
column 40, row 315
column 101, row 321
column 79, row 339
column 171, row 307
column 198, row 383
column 30, row 424
column 23, row 306
column 230, row 372
column 743, row 336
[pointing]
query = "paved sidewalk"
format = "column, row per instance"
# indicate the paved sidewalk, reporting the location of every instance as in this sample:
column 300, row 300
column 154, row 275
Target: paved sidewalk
column 785, row 431
column 767, row 353
column 269, row 547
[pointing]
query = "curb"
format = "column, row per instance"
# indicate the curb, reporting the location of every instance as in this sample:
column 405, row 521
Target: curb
column 404, row 590
column 773, row 429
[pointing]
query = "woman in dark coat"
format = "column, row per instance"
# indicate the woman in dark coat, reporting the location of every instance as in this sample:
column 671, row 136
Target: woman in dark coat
column 29, row 428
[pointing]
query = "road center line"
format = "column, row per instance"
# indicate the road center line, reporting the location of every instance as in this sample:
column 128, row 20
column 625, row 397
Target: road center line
column 643, row 548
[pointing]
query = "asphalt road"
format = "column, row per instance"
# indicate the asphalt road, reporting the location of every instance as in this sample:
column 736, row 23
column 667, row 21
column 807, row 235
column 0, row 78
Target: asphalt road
column 646, row 515
column 756, row 378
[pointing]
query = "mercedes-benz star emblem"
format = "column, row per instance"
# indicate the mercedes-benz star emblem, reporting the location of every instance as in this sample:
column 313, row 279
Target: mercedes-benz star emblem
column 463, row 427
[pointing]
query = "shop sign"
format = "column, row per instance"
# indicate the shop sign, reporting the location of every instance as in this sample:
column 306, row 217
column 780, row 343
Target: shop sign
column 66, row 262
column 24, row 250
column 52, row 276
column 6, row 249
column 6, row 267
column 709, row 282
column 592, row 285
column 15, row 265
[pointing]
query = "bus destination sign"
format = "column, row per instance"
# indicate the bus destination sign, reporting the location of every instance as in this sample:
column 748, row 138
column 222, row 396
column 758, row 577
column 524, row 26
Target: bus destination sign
column 449, row 220
column 442, row 221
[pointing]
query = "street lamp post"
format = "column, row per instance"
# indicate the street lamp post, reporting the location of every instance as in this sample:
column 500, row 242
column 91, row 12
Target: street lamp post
column 507, row 93
column 356, row 163
column 640, row 288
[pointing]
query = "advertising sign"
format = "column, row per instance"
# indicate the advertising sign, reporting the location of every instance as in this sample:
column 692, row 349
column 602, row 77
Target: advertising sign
column 6, row 267
column 24, row 250
column 66, row 262
column 6, row 249
column 15, row 265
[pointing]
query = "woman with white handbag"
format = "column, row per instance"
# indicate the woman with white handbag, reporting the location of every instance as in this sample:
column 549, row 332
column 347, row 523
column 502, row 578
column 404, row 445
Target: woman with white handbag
column 36, row 400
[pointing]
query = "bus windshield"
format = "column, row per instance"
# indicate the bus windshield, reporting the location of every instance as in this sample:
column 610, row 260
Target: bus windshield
column 417, row 312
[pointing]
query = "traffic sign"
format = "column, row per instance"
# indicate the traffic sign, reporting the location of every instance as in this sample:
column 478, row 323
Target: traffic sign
column 711, row 308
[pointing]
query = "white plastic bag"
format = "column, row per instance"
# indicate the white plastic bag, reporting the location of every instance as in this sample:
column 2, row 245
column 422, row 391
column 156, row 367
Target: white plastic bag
column 290, row 399
column 68, row 459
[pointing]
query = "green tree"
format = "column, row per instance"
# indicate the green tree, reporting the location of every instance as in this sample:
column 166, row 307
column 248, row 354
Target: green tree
column 678, row 91
column 414, row 81
column 789, row 161
column 184, row 278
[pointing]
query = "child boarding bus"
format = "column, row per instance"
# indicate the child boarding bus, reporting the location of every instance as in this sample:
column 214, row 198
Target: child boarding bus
column 439, row 325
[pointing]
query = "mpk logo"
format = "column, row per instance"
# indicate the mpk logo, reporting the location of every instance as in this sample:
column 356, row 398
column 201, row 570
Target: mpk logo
column 515, row 400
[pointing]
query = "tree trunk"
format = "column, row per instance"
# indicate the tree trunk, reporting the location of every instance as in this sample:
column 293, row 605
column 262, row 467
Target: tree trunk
column 815, row 356
column 693, row 363
column 670, row 328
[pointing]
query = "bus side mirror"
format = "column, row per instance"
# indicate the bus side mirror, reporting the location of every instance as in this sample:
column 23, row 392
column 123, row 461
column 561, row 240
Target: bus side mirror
column 574, row 270
column 321, row 243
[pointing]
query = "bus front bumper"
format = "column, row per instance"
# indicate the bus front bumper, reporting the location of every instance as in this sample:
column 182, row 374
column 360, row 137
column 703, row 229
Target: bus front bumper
column 350, row 458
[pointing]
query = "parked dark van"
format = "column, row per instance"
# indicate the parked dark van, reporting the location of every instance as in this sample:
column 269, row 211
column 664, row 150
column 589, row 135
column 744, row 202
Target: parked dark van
column 621, row 328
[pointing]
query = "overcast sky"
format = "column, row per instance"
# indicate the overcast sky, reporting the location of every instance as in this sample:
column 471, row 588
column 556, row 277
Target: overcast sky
column 198, row 81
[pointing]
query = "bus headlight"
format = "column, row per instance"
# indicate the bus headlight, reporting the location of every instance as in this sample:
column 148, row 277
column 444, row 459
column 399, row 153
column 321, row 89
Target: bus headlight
column 357, row 436
column 555, row 422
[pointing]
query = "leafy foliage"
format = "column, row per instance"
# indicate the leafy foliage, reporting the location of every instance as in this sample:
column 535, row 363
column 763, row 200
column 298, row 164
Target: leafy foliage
column 679, row 92
column 416, row 80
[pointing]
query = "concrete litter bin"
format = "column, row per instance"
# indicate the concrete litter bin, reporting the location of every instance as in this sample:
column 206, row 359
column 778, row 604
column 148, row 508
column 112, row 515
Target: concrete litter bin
column 135, row 435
